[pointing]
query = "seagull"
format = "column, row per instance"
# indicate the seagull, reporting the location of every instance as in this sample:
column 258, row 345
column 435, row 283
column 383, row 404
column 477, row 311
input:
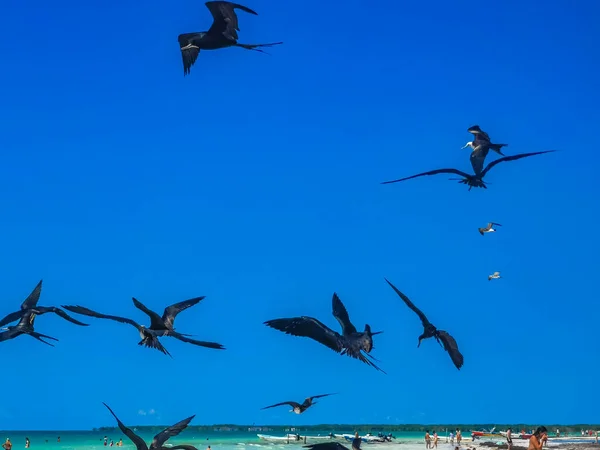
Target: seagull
column 30, row 306
column 489, row 228
column 221, row 34
column 494, row 276
column 297, row 407
column 430, row 331
column 326, row 446
column 160, row 439
column 481, row 146
column 350, row 342
column 475, row 180
column 25, row 326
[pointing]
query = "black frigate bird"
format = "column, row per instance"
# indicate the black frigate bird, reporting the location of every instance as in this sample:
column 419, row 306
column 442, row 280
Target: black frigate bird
column 160, row 439
column 149, row 337
column 326, row 446
column 299, row 408
column 164, row 326
column 221, row 34
column 25, row 326
column 475, row 180
column 350, row 342
column 481, row 145
column 430, row 331
column 30, row 306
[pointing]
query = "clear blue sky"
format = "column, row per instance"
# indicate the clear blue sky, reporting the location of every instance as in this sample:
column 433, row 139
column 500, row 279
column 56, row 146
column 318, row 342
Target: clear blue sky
column 255, row 181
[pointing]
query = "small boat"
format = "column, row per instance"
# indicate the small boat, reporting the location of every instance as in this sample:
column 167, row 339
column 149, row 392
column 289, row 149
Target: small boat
column 367, row 438
column 292, row 438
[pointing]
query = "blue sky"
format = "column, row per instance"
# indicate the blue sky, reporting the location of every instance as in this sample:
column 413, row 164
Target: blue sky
column 255, row 181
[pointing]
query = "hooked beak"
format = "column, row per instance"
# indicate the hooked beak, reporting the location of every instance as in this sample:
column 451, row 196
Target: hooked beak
column 377, row 332
column 465, row 146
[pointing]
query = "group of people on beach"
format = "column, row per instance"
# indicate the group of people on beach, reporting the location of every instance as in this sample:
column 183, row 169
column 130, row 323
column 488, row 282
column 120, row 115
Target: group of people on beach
column 431, row 441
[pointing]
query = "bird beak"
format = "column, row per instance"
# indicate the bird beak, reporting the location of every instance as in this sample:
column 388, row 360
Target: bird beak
column 377, row 332
column 419, row 344
column 465, row 146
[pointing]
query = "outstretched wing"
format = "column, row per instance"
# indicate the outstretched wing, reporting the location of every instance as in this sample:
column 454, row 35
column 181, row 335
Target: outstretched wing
column 310, row 399
column 156, row 323
column 410, row 304
column 431, row 172
column 58, row 312
column 17, row 315
column 511, row 158
column 292, row 404
column 308, row 327
column 10, row 334
column 169, row 432
column 225, row 19
column 477, row 158
column 88, row 312
column 341, row 314
column 451, row 347
column 189, row 51
column 326, row 446
column 138, row 441
column 32, row 298
column 195, row 342
column 171, row 312
column 494, row 223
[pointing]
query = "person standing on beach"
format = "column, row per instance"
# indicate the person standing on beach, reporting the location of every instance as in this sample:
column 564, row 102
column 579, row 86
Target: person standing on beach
column 427, row 439
column 435, row 439
column 536, row 440
column 356, row 442
column 458, row 437
column 509, row 438
column 105, row 441
column 27, row 443
column 7, row 445
column 451, row 436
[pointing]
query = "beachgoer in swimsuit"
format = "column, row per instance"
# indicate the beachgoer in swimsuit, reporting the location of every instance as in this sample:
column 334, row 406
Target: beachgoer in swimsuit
column 7, row 445
column 435, row 439
column 427, row 440
column 27, row 443
column 458, row 437
column 509, row 438
column 105, row 441
column 535, row 441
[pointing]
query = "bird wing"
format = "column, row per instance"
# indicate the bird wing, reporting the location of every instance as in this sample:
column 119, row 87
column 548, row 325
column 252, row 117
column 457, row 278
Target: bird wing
column 189, row 51
column 10, row 333
column 88, row 312
column 225, row 19
column 310, row 399
column 511, row 158
column 477, row 158
column 410, row 304
column 17, row 315
column 308, row 327
column 451, row 347
column 292, row 404
column 341, row 314
column 326, row 446
column 59, row 312
column 32, row 298
column 169, row 432
column 431, row 172
column 156, row 323
column 494, row 223
column 195, row 342
column 138, row 441
column 171, row 312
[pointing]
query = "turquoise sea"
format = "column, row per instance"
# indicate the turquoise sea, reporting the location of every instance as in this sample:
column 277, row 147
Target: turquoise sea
column 230, row 440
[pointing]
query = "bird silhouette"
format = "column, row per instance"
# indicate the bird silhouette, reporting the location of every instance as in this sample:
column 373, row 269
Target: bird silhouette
column 481, row 145
column 25, row 326
column 299, row 408
column 494, row 276
column 30, row 306
column 350, row 342
column 166, row 322
column 221, row 34
column 160, row 439
column 430, row 331
column 475, row 180
column 489, row 228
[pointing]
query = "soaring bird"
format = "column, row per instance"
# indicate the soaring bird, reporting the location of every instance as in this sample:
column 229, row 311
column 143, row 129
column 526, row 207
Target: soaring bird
column 475, row 180
column 494, row 276
column 482, row 140
column 299, row 408
column 164, row 326
column 430, row 331
column 350, row 342
column 221, row 34
column 489, row 228
column 30, row 306
column 25, row 326
column 160, row 439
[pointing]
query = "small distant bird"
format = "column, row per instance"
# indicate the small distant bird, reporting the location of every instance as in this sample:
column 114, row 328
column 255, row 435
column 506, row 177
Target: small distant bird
column 494, row 276
column 160, row 439
column 297, row 407
column 475, row 180
column 350, row 342
column 221, row 34
column 489, row 228
column 326, row 446
column 25, row 326
column 430, row 331
column 30, row 306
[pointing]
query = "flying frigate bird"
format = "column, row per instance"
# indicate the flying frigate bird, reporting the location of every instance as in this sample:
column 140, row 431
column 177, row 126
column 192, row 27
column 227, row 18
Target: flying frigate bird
column 494, row 276
column 158, row 443
column 430, row 331
column 30, row 306
column 299, row 408
column 489, row 228
column 166, row 322
column 475, row 180
column 350, row 342
column 481, row 146
column 221, row 34
column 25, row 326
column 148, row 335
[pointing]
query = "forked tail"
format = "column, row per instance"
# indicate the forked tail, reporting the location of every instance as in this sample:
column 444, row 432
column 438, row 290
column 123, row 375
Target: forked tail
column 39, row 337
column 497, row 147
column 255, row 46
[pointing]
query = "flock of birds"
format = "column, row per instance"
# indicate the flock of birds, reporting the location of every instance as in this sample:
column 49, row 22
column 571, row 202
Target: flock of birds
column 351, row 342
